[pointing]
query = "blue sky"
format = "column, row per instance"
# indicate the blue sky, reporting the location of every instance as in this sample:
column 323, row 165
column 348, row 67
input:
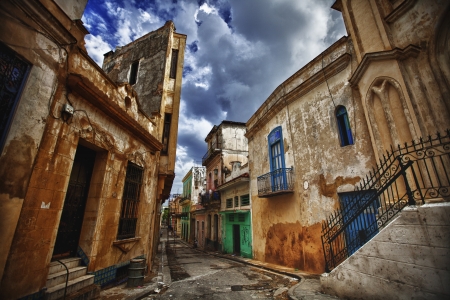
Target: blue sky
column 238, row 52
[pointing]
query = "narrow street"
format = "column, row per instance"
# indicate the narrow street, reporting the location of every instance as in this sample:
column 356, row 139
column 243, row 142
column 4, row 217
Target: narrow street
column 199, row 275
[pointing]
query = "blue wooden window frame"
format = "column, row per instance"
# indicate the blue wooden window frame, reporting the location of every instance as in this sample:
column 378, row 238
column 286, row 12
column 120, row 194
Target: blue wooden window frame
column 345, row 132
column 276, row 159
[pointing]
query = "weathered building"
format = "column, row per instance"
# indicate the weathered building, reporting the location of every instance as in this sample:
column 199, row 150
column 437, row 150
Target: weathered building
column 235, row 208
column 85, row 160
column 193, row 185
column 227, row 147
column 324, row 128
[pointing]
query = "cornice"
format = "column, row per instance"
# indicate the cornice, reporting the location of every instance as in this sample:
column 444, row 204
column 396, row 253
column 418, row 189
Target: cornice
column 396, row 53
column 305, row 87
column 48, row 23
column 233, row 182
column 399, row 11
column 83, row 87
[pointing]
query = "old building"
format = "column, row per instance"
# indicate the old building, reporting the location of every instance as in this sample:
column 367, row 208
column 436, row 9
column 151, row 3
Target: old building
column 323, row 131
column 235, row 210
column 193, row 185
column 87, row 156
column 227, row 147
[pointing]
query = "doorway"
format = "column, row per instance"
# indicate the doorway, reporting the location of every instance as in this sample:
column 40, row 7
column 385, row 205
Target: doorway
column 72, row 215
column 236, row 239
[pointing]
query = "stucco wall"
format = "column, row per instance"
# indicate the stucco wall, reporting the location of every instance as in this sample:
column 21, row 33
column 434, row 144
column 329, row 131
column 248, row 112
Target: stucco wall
column 408, row 259
column 287, row 228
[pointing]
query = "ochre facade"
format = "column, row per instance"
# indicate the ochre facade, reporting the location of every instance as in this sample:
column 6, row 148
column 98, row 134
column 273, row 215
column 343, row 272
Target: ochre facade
column 68, row 104
column 391, row 76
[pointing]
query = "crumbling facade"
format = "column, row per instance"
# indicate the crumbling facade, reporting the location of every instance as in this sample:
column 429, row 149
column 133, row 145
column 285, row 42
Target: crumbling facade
column 324, row 128
column 85, row 161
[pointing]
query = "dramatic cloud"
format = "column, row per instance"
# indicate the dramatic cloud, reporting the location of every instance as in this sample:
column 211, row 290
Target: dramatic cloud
column 237, row 53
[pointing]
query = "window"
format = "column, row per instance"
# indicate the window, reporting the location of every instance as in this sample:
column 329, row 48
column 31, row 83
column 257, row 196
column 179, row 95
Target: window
column 173, row 64
column 13, row 72
column 245, row 200
column 134, row 72
column 236, row 201
column 229, row 203
column 231, row 217
column 345, row 133
column 166, row 133
column 276, row 156
column 130, row 202
column 241, row 217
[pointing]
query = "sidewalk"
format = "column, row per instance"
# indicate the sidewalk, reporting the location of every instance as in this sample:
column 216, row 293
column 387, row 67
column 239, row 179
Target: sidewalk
column 308, row 288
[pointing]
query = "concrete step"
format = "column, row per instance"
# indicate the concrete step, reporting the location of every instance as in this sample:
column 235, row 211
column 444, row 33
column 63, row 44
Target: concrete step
column 60, row 277
column 56, row 267
column 73, row 285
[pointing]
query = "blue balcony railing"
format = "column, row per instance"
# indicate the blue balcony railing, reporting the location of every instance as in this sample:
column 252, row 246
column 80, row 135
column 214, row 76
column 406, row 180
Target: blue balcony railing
column 277, row 182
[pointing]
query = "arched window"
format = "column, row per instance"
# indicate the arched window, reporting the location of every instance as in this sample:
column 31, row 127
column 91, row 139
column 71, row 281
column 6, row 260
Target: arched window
column 345, row 133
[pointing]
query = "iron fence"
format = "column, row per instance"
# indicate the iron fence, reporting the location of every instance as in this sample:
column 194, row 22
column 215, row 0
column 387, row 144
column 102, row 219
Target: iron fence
column 407, row 175
column 276, row 182
column 208, row 198
column 215, row 147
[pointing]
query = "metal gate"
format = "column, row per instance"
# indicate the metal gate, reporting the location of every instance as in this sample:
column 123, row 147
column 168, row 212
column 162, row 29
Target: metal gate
column 73, row 211
column 407, row 175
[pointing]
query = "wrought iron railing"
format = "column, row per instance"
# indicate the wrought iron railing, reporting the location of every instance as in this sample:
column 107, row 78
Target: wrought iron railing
column 209, row 198
column 276, row 182
column 408, row 175
column 213, row 149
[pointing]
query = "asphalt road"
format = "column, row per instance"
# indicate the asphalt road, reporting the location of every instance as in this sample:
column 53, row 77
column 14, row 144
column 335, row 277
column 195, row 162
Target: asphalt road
column 198, row 275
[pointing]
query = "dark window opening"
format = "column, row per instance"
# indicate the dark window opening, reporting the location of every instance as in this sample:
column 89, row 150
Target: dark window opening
column 229, row 203
column 245, row 200
column 130, row 202
column 166, row 133
column 13, row 72
column 345, row 133
column 174, row 63
column 134, row 72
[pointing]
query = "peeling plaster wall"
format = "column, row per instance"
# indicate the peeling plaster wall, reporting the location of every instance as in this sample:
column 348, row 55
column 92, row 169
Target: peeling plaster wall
column 287, row 228
column 37, row 159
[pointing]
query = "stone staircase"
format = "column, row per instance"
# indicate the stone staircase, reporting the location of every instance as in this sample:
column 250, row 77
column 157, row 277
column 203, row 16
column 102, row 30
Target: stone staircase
column 56, row 280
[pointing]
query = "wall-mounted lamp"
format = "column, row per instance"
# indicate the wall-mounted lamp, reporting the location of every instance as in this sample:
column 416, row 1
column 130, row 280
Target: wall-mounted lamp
column 66, row 112
column 216, row 171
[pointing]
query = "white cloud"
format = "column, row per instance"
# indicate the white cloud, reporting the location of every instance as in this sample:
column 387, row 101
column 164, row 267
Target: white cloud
column 96, row 47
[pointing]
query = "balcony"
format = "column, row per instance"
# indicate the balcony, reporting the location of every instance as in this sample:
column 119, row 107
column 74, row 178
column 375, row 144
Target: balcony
column 210, row 199
column 213, row 150
column 275, row 183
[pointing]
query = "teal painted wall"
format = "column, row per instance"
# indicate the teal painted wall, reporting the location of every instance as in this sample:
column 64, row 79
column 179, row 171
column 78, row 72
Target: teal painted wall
column 243, row 220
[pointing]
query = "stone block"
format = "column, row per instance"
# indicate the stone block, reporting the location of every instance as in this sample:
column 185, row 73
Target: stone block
column 439, row 236
column 435, row 214
column 47, row 218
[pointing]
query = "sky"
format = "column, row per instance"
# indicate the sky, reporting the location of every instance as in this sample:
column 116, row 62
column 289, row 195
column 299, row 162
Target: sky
column 237, row 53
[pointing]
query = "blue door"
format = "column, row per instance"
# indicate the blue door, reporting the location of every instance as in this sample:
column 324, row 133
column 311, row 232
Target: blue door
column 364, row 226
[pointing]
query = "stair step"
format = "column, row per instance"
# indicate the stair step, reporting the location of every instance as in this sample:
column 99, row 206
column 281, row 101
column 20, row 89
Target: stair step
column 56, row 267
column 57, row 291
column 60, row 277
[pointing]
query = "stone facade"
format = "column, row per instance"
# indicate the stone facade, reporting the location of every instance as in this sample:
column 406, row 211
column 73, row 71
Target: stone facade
column 389, row 79
column 69, row 106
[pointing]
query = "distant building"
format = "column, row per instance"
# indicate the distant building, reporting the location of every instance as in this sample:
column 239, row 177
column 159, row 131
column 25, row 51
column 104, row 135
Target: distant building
column 86, row 158
column 227, row 147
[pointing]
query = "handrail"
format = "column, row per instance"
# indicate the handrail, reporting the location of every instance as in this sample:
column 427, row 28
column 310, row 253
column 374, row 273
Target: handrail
column 67, row 277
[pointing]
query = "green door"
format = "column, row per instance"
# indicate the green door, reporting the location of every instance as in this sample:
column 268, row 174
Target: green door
column 246, row 241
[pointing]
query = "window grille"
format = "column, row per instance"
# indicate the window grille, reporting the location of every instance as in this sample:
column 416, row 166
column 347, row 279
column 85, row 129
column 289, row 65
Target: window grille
column 241, row 217
column 174, row 63
column 130, row 202
column 245, row 200
column 134, row 72
column 231, row 217
column 345, row 133
column 236, row 201
column 13, row 72
column 229, row 203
